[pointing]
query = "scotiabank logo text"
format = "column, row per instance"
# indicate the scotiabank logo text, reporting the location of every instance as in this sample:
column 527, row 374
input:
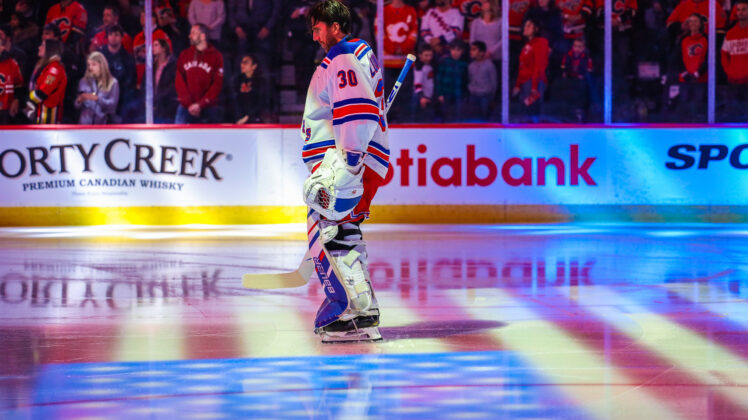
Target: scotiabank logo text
column 119, row 155
column 686, row 155
column 483, row 171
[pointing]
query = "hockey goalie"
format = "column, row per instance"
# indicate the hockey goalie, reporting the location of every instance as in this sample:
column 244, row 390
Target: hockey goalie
column 346, row 150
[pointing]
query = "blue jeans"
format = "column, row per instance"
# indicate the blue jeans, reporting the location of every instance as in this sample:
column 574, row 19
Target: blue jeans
column 208, row 115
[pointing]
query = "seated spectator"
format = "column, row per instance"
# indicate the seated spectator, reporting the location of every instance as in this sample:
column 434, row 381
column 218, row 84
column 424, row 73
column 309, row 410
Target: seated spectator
column 250, row 93
column 576, row 68
column 212, row 14
column 98, row 93
column 122, row 67
column 451, row 78
column 735, row 62
column 109, row 18
column 482, row 81
column 531, row 77
column 164, row 76
column 199, row 80
column 47, row 86
column 441, row 25
column 488, row 30
column 11, row 79
column 423, row 84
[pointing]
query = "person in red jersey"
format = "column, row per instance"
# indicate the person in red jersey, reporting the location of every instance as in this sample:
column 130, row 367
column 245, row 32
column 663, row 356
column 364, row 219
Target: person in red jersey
column 109, row 18
column 533, row 63
column 400, row 35
column 11, row 80
column 47, row 85
column 677, row 19
column 70, row 17
column 735, row 63
column 199, row 80
column 689, row 70
column 139, row 47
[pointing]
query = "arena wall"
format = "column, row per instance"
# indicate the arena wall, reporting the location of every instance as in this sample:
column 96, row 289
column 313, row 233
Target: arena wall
column 167, row 175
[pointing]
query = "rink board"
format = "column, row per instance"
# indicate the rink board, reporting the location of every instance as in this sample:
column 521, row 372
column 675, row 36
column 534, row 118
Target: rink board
column 440, row 174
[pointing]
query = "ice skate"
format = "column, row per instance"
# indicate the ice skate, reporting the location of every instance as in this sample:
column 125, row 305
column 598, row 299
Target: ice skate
column 361, row 329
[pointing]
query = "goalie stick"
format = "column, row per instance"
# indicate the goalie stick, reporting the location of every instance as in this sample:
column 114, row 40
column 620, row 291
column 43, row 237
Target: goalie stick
column 300, row 276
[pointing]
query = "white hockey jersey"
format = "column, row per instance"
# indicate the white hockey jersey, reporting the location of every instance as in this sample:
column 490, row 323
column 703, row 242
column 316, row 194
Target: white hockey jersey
column 442, row 24
column 345, row 107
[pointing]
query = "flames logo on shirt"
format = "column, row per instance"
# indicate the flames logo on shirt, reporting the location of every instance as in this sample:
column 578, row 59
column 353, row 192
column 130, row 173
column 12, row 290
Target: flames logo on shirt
column 398, row 32
column 695, row 50
column 62, row 22
column 471, row 9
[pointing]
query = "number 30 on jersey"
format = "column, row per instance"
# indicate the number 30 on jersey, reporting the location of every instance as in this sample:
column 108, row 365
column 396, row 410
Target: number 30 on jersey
column 347, row 78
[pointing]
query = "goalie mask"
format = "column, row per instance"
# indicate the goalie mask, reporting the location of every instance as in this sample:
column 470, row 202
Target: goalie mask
column 333, row 190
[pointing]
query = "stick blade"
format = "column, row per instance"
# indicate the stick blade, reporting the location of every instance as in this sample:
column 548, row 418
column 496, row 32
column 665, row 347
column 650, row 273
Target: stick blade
column 274, row 281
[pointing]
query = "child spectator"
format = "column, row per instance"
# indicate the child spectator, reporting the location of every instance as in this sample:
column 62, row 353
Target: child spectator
column 531, row 78
column 423, row 84
column 164, row 75
column 735, row 62
column 482, row 81
column 98, row 93
column 47, row 87
column 11, row 79
column 451, row 78
column 251, row 97
column 576, row 67
column 199, row 80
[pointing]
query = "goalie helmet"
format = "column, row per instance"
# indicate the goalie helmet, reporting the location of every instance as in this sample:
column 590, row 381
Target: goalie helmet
column 333, row 190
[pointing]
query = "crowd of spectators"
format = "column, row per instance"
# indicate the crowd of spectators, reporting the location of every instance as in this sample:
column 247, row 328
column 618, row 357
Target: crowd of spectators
column 219, row 61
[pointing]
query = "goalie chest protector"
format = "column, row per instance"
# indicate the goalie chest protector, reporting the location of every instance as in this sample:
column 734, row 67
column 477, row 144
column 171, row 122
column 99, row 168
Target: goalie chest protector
column 345, row 107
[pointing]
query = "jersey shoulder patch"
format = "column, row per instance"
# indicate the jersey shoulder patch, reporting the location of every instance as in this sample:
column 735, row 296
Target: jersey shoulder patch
column 357, row 47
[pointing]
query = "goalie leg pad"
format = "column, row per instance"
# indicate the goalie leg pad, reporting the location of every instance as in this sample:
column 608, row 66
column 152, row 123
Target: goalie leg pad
column 333, row 190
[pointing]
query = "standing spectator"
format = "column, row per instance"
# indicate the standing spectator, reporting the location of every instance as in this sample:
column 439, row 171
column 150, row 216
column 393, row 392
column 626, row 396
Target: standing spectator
column 212, row 14
column 11, row 79
column 689, row 69
column 441, row 25
column 676, row 22
column 122, row 67
column 302, row 47
column 253, row 24
column 250, row 95
column 531, row 78
column 451, row 78
column 572, row 20
column 735, row 62
column 199, row 80
column 400, row 36
column 176, row 28
column 109, row 18
column 47, row 85
column 548, row 17
column 139, row 46
column 482, row 81
column 25, row 32
column 71, row 17
column 98, row 93
column 576, row 68
column 164, row 78
column 517, row 14
column 16, row 53
column 488, row 30
column 74, row 68
column 423, row 84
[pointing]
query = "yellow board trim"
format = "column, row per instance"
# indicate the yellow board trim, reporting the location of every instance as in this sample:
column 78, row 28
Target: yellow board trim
column 424, row 214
